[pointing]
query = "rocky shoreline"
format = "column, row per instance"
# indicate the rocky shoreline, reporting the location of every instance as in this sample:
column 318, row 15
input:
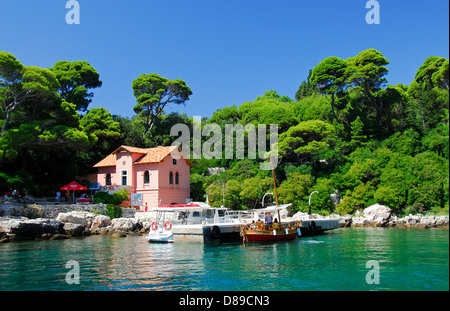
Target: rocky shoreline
column 82, row 223
column 68, row 225
column 382, row 216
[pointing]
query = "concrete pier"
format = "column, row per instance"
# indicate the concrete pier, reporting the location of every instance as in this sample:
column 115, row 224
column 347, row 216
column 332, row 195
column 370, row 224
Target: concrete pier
column 318, row 226
column 207, row 234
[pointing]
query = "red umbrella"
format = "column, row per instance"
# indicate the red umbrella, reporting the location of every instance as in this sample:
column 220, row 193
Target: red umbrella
column 73, row 186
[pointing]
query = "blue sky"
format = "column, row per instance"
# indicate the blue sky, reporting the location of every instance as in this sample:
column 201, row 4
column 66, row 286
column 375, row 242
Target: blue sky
column 228, row 52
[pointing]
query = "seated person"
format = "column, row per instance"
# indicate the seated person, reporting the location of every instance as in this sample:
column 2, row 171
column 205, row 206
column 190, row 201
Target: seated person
column 275, row 224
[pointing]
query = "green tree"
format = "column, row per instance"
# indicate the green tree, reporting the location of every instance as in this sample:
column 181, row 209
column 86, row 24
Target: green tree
column 357, row 130
column 295, row 190
column 329, row 77
column 358, row 199
column 99, row 121
column 19, row 84
column 253, row 190
column 305, row 139
column 271, row 108
column 75, row 79
column 365, row 73
column 153, row 93
column 429, row 91
column 321, row 202
column 305, row 89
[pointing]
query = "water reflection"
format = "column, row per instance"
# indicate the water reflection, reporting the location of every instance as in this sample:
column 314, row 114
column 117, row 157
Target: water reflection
column 336, row 261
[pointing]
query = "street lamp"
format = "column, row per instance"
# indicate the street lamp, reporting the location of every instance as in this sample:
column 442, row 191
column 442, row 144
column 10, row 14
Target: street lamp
column 262, row 202
column 309, row 209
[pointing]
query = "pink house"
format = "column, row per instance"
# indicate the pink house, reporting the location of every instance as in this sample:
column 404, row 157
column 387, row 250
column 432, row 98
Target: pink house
column 160, row 174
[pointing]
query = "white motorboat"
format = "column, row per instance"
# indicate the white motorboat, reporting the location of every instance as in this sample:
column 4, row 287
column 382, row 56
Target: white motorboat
column 161, row 229
column 194, row 222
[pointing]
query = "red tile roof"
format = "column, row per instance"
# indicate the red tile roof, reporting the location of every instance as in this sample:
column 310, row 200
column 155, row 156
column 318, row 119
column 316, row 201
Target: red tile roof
column 149, row 155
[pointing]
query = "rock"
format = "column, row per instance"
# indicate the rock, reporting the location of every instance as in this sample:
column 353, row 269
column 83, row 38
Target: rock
column 345, row 221
column 35, row 228
column 52, row 226
column 100, row 221
column 421, row 226
column 119, row 234
column 74, row 230
column 105, row 230
column 411, row 220
column 59, row 237
column 395, row 222
column 72, row 217
column 4, row 238
column 442, row 221
column 47, row 236
column 126, row 224
column 6, row 223
column 360, row 222
column 145, row 227
column 378, row 215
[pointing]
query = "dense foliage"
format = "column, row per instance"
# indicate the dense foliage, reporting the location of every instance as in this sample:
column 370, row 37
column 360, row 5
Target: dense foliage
column 347, row 131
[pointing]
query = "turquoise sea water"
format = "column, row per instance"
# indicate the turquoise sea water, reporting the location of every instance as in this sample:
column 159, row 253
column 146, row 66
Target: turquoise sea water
column 408, row 260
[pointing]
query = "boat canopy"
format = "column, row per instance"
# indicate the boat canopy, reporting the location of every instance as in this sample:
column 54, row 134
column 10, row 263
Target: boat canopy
column 269, row 209
column 193, row 206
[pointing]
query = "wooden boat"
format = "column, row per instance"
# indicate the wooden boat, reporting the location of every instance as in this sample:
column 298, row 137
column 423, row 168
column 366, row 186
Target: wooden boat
column 277, row 231
column 271, row 231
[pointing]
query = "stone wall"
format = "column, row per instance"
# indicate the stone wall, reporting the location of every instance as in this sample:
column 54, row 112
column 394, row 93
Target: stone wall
column 50, row 211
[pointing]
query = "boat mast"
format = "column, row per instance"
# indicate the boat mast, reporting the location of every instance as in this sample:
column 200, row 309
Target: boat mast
column 275, row 189
column 274, row 184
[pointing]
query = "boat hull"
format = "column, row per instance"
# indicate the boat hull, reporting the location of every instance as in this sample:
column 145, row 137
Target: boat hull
column 159, row 241
column 160, row 237
column 268, row 236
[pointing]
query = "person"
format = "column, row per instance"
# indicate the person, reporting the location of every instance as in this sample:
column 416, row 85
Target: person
column 29, row 199
column 146, row 207
column 67, row 196
column 268, row 218
column 259, row 224
column 275, row 223
column 58, row 195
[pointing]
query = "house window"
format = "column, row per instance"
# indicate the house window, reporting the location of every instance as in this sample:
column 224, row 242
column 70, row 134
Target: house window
column 124, row 178
column 177, row 178
column 146, row 178
column 170, row 178
column 174, row 161
column 108, row 179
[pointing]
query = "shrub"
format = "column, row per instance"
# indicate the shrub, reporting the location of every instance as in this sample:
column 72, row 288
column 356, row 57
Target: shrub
column 113, row 211
column 115, row 199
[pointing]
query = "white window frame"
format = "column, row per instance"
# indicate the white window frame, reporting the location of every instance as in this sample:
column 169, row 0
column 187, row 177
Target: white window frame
column 122, row 175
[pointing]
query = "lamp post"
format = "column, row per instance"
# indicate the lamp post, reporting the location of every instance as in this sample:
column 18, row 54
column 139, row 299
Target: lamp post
column 309, row 209
column 262, row 202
